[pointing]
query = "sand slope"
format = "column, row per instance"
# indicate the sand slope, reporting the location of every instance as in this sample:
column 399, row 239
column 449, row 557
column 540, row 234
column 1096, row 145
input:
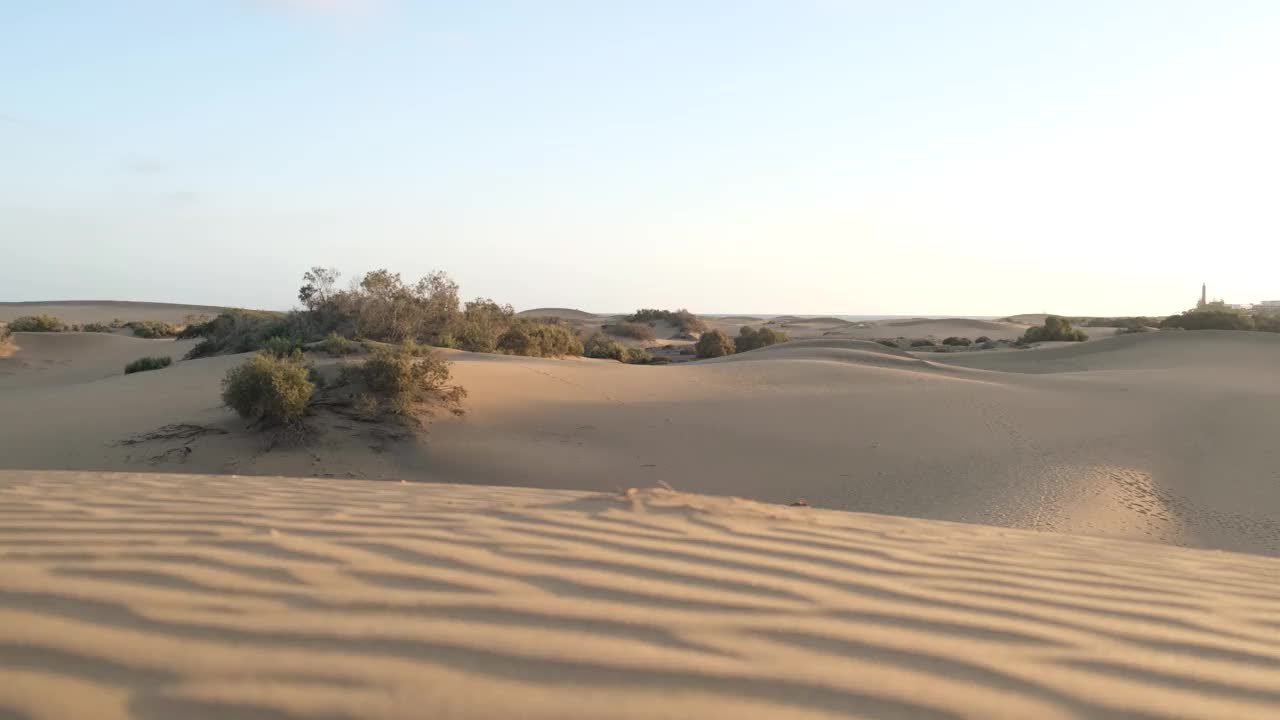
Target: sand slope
column 160, row 596
column 1167, row 437
column 102, row 311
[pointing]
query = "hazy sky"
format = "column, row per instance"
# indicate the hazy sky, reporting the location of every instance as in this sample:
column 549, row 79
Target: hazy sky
column 827, row 156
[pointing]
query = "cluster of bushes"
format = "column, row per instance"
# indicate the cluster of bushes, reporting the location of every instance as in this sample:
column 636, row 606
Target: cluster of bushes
column 750, row 339
column 147, row 363
column 1217, row 319
column 713, row 344
column 273, row 390
column 603, row 347
column 94, row 327
column 922, row 342
column 1054, row 328
column 957, row 341
column 635, row 330
column 539, row 339
column 687, row 322
column 151, row 329
column 36, row 323
column 235, row 331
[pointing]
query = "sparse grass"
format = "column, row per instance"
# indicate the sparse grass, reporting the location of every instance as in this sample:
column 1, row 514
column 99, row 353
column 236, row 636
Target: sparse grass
column 269, row 390
column 148, row 363
column 36, row 323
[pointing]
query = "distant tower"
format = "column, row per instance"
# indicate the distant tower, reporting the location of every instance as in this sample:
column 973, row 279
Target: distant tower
column 1204, row 295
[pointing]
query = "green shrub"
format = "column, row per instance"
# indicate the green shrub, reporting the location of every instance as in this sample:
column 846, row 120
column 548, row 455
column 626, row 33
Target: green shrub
column 336, row 345
column 1054, row 328
column 1210, row 320
column 957, row 341
column 483, row 321
column 281, row 346
column 687, row 322
column 400, row 381
column 922, row 342
column 235, row 331
column 750, row 339
column 603, row 347
column 636, row 356
column 36, row 323
column 539, row 339
column 6, row 336
column 714, row 343
column 147, row 363
column 152, row 329
column 982, row 340
column 96, row 328
column 636, row 330
column 270, row 390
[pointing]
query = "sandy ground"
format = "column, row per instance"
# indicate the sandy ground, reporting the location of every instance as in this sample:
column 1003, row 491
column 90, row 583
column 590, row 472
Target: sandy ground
column 78, row 312
column 1167, row 437
column 167, row 596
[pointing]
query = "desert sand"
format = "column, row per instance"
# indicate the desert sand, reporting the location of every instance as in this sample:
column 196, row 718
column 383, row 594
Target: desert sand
column 164, row 596
column 968, row 549
column 101, row 311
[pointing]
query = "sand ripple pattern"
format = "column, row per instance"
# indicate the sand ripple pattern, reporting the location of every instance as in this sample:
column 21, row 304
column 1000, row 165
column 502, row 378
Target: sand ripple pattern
column 157, row 596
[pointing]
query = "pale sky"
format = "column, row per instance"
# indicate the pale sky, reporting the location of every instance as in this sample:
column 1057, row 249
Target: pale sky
column 827, row 156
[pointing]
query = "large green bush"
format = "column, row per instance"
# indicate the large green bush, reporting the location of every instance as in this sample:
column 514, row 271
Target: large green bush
column 603, row 347
column 687, row 322
column 36, row 323
column 483, row 322
column 270, row 390
column 714, row 343
column 539, row 339
column 750, row 339
column 401, row 381
column 147, row 363
column 634, row 330
column 235, row 331
column 1054, row 328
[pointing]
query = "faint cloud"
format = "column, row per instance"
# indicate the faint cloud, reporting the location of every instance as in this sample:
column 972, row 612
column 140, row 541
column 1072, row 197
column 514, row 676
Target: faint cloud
column 328, row 6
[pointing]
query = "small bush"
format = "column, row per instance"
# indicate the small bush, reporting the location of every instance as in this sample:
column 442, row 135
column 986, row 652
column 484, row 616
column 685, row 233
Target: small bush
column 957, row 341
column 337, row 346
column 636, row 356
column 6, row 336
column 1054, row 328
column 96, row 328
column 399, row 382
column 889, row 343
column 147, row 363
column 922, row 342
column 281, row 346
column 982, row 340
column 603, row 347
column 714, row 343
column 539, row 339
column 635, row 330
column 36, row 323
column 152, row 329
column 687, row 322
column 750, row 339
column 270, row 390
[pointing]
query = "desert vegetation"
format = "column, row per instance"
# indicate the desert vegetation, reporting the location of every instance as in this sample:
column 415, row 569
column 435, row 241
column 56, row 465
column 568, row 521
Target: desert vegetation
column 152, row 329
column 337, row 346
column 1222, row 319
column 269, row 391
column 147, row 363
column 888, row 343
column 1054, row 328
column 750, row 339
column 95, row 327
column 539, row 338
column 401, row 382
column 36, row 323
column 957, row 341
column 713, row 344
column 922, row 342
column 686, row 322
column 628, row 329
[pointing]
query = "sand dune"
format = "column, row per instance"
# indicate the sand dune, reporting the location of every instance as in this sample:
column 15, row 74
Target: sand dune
column 85, row 311
column 161, row 596
column 1166, row 437
column 563, row 313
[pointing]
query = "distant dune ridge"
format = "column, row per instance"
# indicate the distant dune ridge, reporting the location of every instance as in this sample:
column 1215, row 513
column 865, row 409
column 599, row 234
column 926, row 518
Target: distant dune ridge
column 148, row 596
column 264, row 581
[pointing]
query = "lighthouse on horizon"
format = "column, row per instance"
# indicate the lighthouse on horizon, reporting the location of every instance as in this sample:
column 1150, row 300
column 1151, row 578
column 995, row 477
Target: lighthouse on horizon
column 1204, row 295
